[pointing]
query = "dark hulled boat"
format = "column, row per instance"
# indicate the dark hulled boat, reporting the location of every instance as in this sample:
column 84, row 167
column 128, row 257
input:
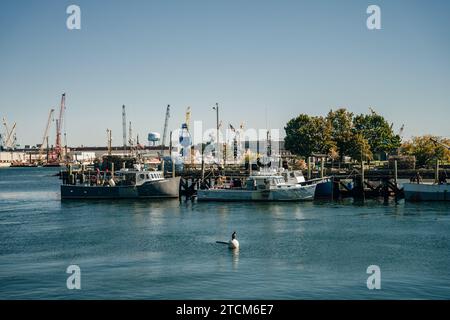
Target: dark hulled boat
column 124, row 184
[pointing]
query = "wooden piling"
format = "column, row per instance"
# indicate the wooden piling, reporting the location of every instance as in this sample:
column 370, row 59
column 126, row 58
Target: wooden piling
column 321, row 166
column 395, row 172
column 309, row 168
column 436, row 172
column 170, row 154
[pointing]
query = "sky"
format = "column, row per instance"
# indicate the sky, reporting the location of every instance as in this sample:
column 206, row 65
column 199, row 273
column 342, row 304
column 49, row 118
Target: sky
column 264, row 62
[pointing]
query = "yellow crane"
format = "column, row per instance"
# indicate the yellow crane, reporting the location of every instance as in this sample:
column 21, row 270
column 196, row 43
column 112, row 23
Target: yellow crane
column 41, row 148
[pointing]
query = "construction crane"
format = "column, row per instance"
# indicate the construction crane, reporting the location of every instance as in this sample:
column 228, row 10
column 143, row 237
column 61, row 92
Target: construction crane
column 166, row 123
column 400, row 132
column 10, row 138
column 108, row 134
column 130, row 135
column 440, row 143
column 41, row 148
column 59, row 124
column 10, row 135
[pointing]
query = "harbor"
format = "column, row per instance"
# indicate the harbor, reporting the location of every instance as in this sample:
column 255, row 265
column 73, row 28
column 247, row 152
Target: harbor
column 226, row 151
column 221, row 171
column 158, row 197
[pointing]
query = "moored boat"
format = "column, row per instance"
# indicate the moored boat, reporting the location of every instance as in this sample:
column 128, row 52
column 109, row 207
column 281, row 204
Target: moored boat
column 126, row 183
column 324, row 186
column 426, row 191
column 260, row 187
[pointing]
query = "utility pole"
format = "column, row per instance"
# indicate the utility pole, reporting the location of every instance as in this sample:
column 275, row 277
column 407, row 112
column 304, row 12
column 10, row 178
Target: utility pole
column 108, row 133
column 124, row 128
column 217, row 132
column 170, row 154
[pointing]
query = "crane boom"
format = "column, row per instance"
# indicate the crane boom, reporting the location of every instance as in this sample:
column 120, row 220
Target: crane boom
column 6, row 126
column 442, row 144
column 130, row 135
column 9, row 135
column 41, row 148
column 166, row 123
column 59, row 123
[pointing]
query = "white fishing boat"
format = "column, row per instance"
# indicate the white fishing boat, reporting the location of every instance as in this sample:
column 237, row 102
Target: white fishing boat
column 427, row 191
column 422, row 191
column 324, row 186
column 262, row 186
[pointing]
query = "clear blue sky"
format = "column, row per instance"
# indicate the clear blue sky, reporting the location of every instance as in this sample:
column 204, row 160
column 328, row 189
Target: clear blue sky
column 290, row 57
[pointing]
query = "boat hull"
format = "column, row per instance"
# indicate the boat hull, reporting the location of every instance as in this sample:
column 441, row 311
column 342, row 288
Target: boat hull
column 283, row 194
column 167, row 188
column 324, row 189
column 426, row 192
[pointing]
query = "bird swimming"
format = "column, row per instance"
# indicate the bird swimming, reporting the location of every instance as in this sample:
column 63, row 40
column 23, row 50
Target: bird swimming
column 233, row 243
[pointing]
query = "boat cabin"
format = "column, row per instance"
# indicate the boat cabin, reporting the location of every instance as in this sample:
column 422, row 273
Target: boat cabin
column 262, row 182
column 137, row 177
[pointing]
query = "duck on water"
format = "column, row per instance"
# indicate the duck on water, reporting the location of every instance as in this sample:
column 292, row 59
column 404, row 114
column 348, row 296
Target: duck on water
column 233, row 243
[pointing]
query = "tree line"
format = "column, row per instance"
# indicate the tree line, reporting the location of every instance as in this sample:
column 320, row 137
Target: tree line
column 364, row 137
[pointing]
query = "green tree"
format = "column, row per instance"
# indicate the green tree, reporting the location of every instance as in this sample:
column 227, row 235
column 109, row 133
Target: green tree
column 359, row 148
column 306, row 135
column 426, row 150
column 377, row 131
column 341, row 124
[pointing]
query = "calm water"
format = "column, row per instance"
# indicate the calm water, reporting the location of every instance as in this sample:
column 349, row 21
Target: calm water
column 167, row 249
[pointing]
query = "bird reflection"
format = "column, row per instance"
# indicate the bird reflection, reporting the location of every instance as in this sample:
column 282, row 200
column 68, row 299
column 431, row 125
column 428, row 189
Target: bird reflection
column 235, row 257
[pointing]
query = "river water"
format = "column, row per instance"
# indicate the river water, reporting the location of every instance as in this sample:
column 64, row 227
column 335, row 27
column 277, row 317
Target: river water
column 167, row 249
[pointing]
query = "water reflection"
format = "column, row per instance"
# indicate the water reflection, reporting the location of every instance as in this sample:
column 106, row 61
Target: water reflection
column 235, row 258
